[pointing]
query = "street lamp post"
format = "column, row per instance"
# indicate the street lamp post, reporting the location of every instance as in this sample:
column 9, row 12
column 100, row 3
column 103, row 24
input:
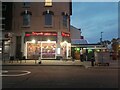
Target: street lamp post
column 101, row 44
column 101, row 37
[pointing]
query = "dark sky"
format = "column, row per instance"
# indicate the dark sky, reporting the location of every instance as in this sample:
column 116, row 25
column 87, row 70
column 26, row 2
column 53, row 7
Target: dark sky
column 94, row 18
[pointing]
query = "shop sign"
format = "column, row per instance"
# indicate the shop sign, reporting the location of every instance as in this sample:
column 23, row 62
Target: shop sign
column 41, row 34
column 65, row 34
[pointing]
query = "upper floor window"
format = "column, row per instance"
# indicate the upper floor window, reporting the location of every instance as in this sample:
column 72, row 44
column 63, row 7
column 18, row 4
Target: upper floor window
column 65, row 19
column 48, row 17
column 26, row 4
column 2, row 26
column 48, row 2
column 3, row 7
column 26, row 18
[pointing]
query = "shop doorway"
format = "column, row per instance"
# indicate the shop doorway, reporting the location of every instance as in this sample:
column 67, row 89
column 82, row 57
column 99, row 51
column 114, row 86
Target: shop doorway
column 66, row 50
column 48, row 50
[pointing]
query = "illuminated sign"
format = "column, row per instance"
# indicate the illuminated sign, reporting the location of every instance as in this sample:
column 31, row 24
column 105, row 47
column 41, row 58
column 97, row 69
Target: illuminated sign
column 65, row 34
column 41, row 34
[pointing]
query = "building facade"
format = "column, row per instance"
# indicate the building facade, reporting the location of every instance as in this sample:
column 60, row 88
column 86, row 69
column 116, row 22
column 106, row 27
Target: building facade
column 5, row 28
column 76, row 37
column 41, row 29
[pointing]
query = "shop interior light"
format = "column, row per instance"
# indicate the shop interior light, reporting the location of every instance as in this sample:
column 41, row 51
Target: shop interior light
column 84, row 48
column 0, row 48
column 89, row 50
column 9, row 41
column 78, row 49
column 48, row 40
column 65, row 41
column 58, row 50
column 98, row 50
column 33, row 41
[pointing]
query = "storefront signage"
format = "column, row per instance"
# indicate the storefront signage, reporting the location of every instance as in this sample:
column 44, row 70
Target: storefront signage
column 65, row 34
column 41, row 34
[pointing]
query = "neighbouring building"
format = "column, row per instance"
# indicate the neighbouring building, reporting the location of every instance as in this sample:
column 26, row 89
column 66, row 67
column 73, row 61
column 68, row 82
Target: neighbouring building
column 40, row 29
column 80, row 46
column 76, row 37
column 5, row 28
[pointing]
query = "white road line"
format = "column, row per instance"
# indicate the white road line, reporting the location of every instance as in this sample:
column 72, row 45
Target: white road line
column 4, row 71
column 25, row 73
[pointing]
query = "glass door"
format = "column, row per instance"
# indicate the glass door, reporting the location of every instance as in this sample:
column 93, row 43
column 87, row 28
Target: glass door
column 48, row 50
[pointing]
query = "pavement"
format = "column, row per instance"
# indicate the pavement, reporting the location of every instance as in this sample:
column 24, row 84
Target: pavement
column 86, row 64
column 43, row 62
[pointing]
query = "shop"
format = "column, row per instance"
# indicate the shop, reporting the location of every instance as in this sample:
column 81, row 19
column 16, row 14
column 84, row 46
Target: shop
column 66, row 50
column 66, row 45
column 46, row 45
column 43, row 49
column 87, row 51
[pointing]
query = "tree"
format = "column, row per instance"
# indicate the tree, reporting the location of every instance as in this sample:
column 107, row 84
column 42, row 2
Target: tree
column 105, row 42
column 115, row 47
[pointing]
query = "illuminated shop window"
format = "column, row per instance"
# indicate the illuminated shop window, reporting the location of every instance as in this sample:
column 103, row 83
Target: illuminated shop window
column 49, row 50
column 48, row 2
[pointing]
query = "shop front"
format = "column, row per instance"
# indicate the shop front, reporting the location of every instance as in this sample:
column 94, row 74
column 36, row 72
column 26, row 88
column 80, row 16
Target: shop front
column 45, row 45
column 86, row 51
column 43, row 49
column 66, row 45
column 40, row 44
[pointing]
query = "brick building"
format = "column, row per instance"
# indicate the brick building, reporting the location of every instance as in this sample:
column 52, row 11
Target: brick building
column 40, row 29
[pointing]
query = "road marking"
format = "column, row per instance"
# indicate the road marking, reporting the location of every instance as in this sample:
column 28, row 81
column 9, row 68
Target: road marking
column 4, row 71
column 25, row 73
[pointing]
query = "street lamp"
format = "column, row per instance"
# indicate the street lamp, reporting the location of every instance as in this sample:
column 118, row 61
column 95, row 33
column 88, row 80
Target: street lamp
column 101, row 37
column 101, row 43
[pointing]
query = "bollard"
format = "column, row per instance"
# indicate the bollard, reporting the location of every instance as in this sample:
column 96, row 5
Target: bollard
column 92, row 63
column 39, row 60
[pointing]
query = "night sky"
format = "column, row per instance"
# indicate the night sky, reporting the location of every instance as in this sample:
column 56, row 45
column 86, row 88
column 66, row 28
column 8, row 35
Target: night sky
column 94, row 18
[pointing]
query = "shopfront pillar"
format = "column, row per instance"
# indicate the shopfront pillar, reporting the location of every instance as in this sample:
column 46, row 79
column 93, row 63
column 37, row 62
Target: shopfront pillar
column 59, row 40
column 12, row 45
column 22, row 43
